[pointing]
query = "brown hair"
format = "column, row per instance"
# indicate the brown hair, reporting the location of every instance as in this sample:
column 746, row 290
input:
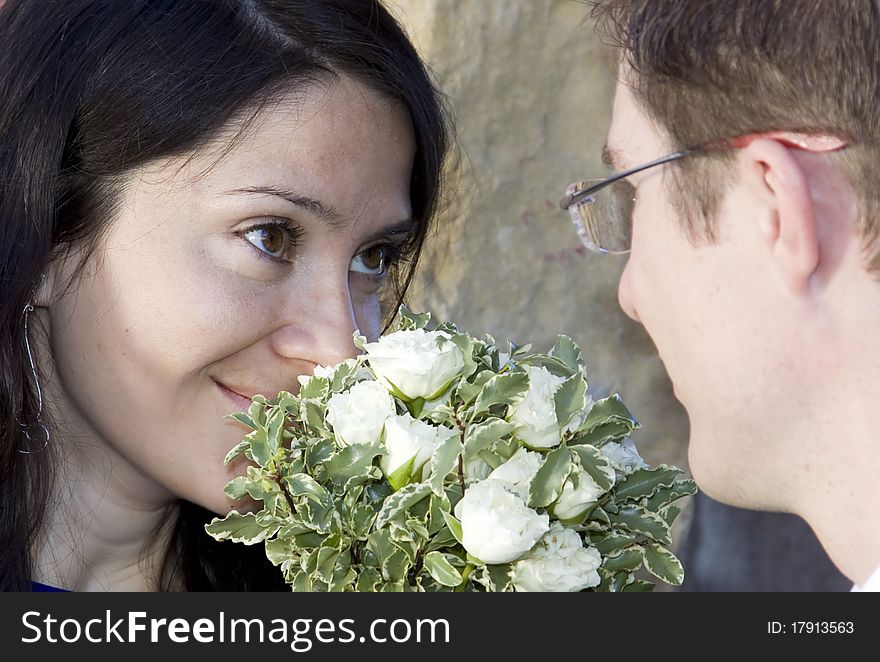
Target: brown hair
column 712, row 69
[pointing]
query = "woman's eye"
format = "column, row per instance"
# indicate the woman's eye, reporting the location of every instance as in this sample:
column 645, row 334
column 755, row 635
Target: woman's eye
column 372, row 261
column 272, row 240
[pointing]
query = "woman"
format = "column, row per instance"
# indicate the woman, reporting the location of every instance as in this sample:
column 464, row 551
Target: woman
column 200, row 200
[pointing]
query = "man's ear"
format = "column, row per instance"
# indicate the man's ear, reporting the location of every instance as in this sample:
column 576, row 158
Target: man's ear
column 778, row 179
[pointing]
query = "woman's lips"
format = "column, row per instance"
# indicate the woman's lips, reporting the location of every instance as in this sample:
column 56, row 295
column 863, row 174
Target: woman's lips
column 240, row 401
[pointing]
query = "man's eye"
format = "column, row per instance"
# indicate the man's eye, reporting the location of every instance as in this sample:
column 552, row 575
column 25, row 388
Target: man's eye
column 270, row 239
column 372, row 261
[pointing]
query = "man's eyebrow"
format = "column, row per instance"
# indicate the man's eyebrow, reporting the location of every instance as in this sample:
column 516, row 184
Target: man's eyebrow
column 611, row 157
column 314, row 207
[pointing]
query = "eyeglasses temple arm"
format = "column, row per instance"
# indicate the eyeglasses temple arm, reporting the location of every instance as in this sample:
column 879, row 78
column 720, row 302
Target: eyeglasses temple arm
column 575, row 198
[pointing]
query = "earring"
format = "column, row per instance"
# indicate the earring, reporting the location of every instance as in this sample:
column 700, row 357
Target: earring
column 25, row 313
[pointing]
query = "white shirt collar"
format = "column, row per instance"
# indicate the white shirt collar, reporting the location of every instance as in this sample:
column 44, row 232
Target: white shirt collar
column 870, row 586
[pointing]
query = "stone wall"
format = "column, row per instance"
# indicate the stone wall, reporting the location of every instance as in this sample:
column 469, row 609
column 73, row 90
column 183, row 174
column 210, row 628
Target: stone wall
column 531, row 89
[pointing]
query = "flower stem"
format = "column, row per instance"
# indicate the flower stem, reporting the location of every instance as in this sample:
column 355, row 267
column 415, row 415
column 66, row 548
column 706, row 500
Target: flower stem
column 468, row 569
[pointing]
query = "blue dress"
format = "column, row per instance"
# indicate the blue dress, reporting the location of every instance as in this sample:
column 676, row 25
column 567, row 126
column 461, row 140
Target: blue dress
column 37, row 587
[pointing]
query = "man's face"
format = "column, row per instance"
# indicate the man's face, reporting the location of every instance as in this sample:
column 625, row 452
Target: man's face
column 710, row 309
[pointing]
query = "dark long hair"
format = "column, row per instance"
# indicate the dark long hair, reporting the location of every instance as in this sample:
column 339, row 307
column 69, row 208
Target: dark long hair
column 89, row 90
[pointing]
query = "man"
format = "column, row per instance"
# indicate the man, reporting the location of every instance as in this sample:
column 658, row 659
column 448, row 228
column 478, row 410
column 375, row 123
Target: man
column 751, row 129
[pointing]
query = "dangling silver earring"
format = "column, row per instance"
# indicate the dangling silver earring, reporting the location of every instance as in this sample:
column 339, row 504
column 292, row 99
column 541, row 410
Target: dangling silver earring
column 25, row 313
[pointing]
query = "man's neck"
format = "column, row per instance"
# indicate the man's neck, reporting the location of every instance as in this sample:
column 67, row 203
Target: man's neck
column 839, row 495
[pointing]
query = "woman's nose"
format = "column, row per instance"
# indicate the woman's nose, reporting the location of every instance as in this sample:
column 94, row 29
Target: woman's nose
column 320, row 329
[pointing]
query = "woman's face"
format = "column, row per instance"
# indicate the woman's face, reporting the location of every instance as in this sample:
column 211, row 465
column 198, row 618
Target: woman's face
column 227, row 275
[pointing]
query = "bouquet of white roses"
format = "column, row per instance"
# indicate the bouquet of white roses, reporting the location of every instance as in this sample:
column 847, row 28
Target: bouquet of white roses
column 436, row 462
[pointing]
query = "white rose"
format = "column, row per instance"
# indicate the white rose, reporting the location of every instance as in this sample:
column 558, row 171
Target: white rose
column 497, row 526
column 625, row 457
column 414, row 363
column 407, row 438
column 579, row 492
column 358, row 415
column 558, row 563
column 517, row 473
column 535, row 415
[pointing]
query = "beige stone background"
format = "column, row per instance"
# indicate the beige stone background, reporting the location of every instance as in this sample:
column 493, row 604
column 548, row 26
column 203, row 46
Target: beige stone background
column 531, row 87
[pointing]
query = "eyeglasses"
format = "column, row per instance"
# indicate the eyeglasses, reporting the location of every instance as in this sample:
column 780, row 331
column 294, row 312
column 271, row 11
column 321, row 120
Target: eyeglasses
column 601, row 209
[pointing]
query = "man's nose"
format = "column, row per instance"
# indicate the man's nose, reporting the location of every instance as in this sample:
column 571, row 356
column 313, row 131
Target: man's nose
column 624, row 294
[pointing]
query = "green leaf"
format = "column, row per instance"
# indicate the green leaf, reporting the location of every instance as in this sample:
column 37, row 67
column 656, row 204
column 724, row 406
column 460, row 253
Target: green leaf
column 568, row 352
column 353, row 461
column 570, row 398
column 257, row 411
column 344, row 374
column 244, row 419
column 326, row 563
column 468, row 391
column 547, row 484
column 401, row 501
column 315, row 388
column 441, row 569
column 553, row 365
column 596, row 465
column 277, row 550
column 362, row 518
column 454, row 526
column 500, row 577
column 643, row 483
column 301, row 583
column 610, row 543
column 313, row 415
column 342, row 578
column 275, row 430
column 638, row 586
column 304, row 485
column 482, row 435
column 639, row 520
column 408, row 320
column 402, row 476
column 235, row 489
column 436, row 507
column 502, row 389
column 609, row 410
column 621, row 581
column 629, row 559
column 669, row 513
column 466, row 344
column 665, row 496
column 663, row 565
column 443, row 461
column 395, row 566
column 319, row 452
column 259, row 446
column 602, row 434
column 367, row 580
column 241, row 447
column 239, row 528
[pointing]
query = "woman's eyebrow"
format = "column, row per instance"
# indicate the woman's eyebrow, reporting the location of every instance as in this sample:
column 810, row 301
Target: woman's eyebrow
column 316, row 208
column 403, row 229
